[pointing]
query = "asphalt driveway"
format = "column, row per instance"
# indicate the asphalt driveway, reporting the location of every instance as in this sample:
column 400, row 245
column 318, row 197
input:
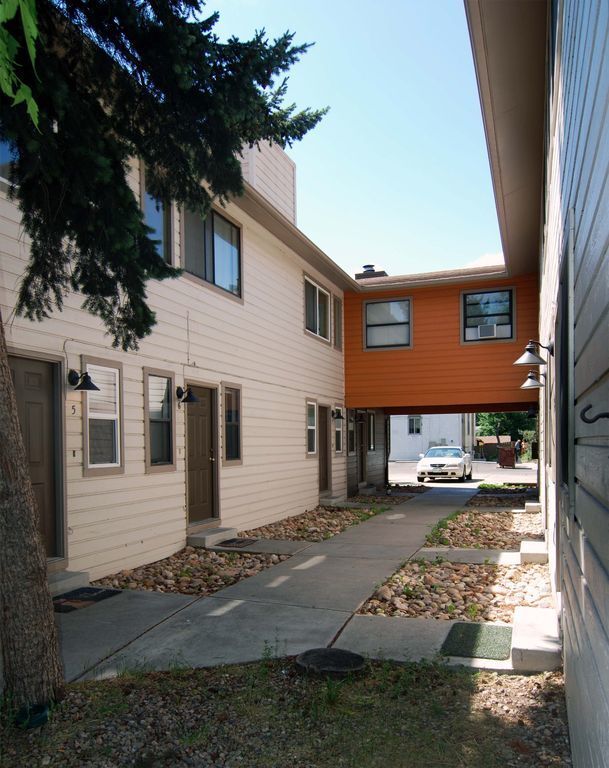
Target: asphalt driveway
column 483, row 472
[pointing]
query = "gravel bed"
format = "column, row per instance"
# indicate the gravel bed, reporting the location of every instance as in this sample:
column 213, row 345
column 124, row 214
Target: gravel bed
column 487, row 530
column 397, row 498
column 315, row 525
column 192, row 572
column 452, row 591
column 266, row 714
column 507, row 499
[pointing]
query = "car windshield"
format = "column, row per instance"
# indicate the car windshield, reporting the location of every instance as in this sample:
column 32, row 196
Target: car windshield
column 434, row 453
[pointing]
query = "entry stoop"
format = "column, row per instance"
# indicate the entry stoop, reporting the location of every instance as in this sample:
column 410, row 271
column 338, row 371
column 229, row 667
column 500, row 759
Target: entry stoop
column 210, row 537
column 532, row 506
column 65, row 581
column 535, row 640
column 533, row 552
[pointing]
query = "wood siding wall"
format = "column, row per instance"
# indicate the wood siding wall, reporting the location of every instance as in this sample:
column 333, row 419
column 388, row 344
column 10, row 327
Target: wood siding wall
column 440, row 372
column 203, row 336
column 270, row 171
column 577, row 178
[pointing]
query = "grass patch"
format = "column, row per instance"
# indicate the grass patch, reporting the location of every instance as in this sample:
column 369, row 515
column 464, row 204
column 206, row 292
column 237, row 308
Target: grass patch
column 506, row 486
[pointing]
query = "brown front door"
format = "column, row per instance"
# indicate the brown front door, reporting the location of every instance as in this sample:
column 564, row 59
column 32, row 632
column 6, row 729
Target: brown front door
column 361, row 448
column 324, row 453
column 201, row 461
column 36, row 386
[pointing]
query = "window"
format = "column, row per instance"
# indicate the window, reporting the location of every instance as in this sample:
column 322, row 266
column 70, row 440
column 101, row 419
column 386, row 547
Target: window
column 212, row 250
column 338, row 430
column 311, row 428
column 317, row 310
column 232, row 424
column 488, row 315
column 350, row 431
column 5, row 161
column 338, row 323
column 158, row 420
column 371, row 432
column 158, row 217
column 388, row 324
column 103, row 423
column 414, row 425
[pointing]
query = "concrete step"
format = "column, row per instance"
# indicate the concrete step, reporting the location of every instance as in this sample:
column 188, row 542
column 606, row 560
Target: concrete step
column 65, row 581
column 535, row 640
column 533, row 552
column 331, row 501
column 532, row 506
column 210, row 537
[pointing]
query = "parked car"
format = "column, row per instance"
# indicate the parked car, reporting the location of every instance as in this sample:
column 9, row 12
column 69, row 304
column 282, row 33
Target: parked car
column 445, row 461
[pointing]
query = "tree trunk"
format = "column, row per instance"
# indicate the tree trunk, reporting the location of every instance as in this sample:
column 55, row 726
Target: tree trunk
column 29, row 650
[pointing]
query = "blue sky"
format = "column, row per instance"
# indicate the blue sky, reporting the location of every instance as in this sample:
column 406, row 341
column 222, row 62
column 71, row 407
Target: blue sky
column 397, row 173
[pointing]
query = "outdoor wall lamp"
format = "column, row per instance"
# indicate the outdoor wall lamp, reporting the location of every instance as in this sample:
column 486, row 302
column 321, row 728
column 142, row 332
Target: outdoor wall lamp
column 531, row 356
column 81, row 381
column 338, row 415
column 186, row 396
column 532, row 381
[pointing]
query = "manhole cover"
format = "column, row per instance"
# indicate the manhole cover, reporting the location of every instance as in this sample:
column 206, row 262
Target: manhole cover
column 236, row 543
column 81, row 598
column 334, row 662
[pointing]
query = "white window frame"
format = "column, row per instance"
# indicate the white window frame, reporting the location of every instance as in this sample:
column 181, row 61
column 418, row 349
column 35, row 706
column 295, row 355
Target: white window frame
column 338, row 429
column 371, row 417
column 118, row 467
column 416, row 421
column 318, row 290
column 313, row 428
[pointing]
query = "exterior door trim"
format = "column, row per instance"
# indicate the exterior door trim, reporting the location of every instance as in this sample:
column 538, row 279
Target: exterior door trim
column 59, row 563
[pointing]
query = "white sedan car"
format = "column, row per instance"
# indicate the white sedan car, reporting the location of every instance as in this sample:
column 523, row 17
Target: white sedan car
column 445, row 461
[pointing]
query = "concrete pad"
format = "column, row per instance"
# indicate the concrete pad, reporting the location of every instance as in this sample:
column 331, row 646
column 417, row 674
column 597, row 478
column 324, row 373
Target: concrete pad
column 210, row 537
column 268, row 547
column 89, row 635
column 476, row 556
column 216, row 631
column 394, row 637
column 532, row 506
column 397, row 554
column 533, row 552
column 315, row 581
column 535, row 640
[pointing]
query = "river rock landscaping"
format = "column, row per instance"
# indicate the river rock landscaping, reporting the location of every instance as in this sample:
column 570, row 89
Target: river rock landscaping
column 449, row 591
column 316, row 525
column 268, row 714
column 506, row 496
column 192, row 572
column 486, row 530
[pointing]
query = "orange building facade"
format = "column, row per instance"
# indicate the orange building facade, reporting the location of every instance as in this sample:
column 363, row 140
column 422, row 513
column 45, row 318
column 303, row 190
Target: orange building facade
column 437, row 347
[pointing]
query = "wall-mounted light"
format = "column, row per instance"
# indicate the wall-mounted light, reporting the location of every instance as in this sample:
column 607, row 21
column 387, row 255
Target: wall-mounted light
column 531, row 355
column 532, row 381
column 186, row 396
column 81, row 381
column 338, row 415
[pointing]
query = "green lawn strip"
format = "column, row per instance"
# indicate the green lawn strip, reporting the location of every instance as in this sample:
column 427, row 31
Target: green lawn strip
column 267, row 714
column 481, row 641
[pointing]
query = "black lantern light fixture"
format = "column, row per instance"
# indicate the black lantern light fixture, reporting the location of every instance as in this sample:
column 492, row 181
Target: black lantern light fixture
column 531, row 355
column 337, row 415
column 532, row 381
column 186, row 396
column 81, row 381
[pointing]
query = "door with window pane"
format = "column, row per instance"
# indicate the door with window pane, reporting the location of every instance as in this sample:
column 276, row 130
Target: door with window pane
column 201, row 439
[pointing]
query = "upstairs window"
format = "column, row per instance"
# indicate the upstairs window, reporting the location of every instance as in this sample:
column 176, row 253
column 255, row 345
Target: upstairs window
column 387, row 324
column 488, row 315
column 5, row 161
column 317, row 310
column 338, row 323
column 414, row 425
column 157, row 216
column 212, row 250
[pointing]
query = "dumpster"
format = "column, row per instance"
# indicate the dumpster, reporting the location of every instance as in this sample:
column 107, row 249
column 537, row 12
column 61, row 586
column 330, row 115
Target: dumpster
column 507, row 456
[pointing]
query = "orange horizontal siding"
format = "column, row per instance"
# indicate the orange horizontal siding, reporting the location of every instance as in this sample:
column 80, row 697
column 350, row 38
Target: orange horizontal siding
column 439, row 371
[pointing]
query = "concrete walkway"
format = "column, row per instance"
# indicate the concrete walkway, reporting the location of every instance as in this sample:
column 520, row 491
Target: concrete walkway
column 305, row 602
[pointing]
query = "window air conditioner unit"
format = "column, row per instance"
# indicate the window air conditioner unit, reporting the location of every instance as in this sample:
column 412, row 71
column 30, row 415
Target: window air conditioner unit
column 487, row 331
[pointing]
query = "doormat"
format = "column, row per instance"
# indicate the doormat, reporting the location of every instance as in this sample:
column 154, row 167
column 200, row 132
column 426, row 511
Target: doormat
column 236, row 543
column 481, row 641
column 81, row 598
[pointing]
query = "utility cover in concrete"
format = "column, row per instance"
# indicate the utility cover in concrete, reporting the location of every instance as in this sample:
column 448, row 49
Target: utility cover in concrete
column 334, row 662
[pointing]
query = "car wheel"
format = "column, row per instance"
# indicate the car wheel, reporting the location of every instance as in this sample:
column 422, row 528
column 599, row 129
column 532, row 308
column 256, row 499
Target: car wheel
column 469, row 477
column 420, row 479
column 463, row 476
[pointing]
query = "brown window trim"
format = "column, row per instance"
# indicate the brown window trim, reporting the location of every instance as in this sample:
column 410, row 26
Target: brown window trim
column 392, row 348
column 339, row 425
column 169, row 255
column 93, row 470
column 311, row 401
column 337, row 301
column 495, row 289
column 169, row 467
column 307, row 332
column 232, row 462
